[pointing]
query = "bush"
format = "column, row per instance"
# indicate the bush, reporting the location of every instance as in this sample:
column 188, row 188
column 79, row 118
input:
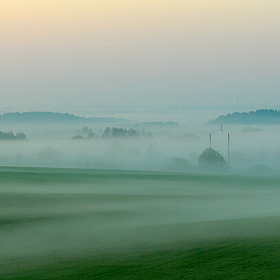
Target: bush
column 211, row 158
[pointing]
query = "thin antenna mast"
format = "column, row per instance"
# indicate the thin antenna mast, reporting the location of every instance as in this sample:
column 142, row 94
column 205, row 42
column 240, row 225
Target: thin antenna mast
column 228, row 147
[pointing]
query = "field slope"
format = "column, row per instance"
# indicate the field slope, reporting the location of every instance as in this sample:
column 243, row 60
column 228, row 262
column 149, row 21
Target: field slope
column 110, row 224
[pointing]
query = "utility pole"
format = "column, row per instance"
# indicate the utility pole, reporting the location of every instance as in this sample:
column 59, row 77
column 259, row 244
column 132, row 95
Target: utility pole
column 210, row 140
column 228, row 147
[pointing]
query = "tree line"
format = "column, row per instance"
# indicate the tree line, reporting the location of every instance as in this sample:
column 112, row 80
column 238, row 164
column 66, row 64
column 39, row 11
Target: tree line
column 119, row 132
column 263, row 116
column 109, row 132
column 50, row 117
column 11, row 136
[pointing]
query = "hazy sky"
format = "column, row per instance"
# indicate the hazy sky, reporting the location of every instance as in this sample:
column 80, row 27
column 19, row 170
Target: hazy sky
column 146, row 52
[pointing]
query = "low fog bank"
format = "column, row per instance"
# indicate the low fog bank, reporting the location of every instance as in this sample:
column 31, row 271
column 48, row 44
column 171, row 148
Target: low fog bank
column 49, row 213
column 84, row 204
column 159, row 146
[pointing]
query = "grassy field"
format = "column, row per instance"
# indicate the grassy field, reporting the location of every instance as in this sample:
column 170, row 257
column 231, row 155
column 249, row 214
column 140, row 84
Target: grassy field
column 109, row 224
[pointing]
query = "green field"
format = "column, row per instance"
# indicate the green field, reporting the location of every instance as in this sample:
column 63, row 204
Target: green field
column 109, row 224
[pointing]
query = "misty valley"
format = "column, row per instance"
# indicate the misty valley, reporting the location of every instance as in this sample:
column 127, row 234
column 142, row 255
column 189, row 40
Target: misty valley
column 114, row 198
column 64, row 140
column 139, row 139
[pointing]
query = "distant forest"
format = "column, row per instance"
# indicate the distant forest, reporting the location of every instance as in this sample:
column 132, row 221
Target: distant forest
column 119, row 132
column 11, row 136
column 50, row 117
column 263, row 116
column 160, row 123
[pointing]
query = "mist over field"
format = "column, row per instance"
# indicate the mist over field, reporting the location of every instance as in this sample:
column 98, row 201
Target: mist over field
column 139, row 139
column 51, row 214
column 166, row 145
column 85, row 191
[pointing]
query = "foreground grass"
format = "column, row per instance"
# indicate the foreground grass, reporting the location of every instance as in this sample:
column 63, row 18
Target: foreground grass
column 97, row 224
column 227, row 259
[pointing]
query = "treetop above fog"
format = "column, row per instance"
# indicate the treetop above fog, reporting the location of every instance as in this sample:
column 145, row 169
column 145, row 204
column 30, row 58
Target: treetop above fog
column 119, row 132
column 11, row 136
column 109, row 132
column 263, row 116
column 211, row 157
column 50, row 117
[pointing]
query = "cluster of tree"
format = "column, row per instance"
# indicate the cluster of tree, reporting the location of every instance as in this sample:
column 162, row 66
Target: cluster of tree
column 89, row 136
column 109, row 132
column 85, row 132
column 263, row 116
column 119, row 132
column 11, row 136
column 209, row 160
column 50, row 117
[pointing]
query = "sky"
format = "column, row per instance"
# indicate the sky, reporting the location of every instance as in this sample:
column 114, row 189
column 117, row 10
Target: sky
column 140, row 52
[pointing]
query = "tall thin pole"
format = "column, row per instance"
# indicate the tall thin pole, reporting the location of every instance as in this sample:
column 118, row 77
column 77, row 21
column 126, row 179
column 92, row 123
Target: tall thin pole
column 210, row 140
column 228, row 147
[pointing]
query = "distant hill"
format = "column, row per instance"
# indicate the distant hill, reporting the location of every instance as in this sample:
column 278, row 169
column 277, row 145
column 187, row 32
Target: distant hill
column 50, row 117
column 263, row 116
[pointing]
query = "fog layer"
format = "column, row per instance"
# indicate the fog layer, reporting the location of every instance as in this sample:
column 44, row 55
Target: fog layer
column 49, row 213
column 160, row 146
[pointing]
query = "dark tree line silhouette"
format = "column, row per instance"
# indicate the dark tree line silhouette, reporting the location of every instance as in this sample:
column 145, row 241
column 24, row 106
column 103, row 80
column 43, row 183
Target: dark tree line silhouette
column 108, row 133
column 119, row 132
column 11, row 136
column 263, row 116
column 47, row 117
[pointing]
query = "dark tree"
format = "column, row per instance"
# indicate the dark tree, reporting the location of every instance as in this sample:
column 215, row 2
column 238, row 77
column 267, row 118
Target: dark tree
column 20, row 136
column 132, row 132
column 107, row 133
column 118, row 132
column 91, row 136
column 211, row 157
column 84, row 130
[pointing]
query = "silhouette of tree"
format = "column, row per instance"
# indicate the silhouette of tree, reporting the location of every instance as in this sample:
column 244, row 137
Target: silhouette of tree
column 132, row 132
column 10, row 136
column 263, row 116
column 211, row 157
column 107, row 133
column 118, row 132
